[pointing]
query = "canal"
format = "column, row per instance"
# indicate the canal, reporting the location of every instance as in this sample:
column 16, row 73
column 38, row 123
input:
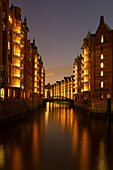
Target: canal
column 56, row 138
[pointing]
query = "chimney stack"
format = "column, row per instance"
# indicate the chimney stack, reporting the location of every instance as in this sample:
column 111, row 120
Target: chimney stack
column 101, row 19
column 34, row 42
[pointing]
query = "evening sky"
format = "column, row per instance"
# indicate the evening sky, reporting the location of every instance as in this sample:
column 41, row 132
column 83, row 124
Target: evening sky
column 59, row 26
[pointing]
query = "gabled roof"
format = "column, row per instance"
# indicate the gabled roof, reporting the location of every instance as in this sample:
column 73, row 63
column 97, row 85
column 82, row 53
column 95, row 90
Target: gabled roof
column 109, row 29
column 88, row 34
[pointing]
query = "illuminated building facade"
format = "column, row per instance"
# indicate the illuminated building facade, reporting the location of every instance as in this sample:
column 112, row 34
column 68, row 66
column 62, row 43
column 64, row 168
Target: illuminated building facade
column 63, row 88
column 101, row 65
column 93, row 68
column 82, row 72
column 49, row 90
column 41, row 78
column 18, row 57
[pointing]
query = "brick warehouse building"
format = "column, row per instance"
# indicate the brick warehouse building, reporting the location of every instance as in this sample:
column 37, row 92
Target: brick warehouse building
column 18, row 57
column 93, row 69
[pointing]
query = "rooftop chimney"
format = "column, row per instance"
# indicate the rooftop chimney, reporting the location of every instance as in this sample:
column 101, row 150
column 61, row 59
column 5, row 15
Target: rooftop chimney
column 25, row 21
column 101, row 19
column 34, row 42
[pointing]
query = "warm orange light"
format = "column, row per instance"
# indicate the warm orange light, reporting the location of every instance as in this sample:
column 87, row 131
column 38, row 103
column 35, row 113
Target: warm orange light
column 101, row 73
column 35, row 58
column 35, row 90
column 35, row 65
column 35, row 72
column 35, row 78
column 102, row 56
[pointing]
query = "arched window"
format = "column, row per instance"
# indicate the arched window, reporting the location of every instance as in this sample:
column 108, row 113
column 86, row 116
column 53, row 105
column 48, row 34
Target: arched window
column 102, row 39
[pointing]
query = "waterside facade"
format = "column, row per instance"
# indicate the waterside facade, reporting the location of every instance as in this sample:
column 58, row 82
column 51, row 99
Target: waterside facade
column 22, row 72
column 93, row 70
column 63, row 88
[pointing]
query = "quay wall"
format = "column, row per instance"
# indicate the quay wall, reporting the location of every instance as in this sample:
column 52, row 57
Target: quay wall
column 94, row 109
column 13, row 108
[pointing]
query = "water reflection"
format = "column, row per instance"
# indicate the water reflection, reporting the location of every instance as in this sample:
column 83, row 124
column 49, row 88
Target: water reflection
column 89, row 136
column 56, row 138
column 2, row 156
column 21, row 145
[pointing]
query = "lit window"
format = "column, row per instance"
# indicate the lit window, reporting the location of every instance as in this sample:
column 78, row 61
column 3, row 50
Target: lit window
column 102, row 39
column 8, row 45
column 102, row 84
column 10, row 19
column 101, row 73
column 101, row 96
column 14, row 93
column 102, row 56
column 102, row 65
column 8, row 92
column 2, row 93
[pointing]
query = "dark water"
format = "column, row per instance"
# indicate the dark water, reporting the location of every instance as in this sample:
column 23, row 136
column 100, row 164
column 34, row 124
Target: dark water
column 56, row 138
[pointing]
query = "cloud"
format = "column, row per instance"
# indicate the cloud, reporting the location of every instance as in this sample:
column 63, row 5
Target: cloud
column 58, row 73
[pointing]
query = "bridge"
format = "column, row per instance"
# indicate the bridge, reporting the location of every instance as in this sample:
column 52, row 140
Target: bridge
column 58, row 98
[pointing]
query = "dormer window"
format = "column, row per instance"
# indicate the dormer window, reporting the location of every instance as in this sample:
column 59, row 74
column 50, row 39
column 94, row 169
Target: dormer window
column 102, row 39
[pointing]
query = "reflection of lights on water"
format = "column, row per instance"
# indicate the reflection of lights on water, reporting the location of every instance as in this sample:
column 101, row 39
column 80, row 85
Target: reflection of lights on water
column 84, row 149
column 101, row 161
column 47, row 113
column 75, row 137
column 2, row 156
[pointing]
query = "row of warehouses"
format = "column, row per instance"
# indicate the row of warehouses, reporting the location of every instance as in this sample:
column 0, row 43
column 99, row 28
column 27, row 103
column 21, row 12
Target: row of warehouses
column 22, row 72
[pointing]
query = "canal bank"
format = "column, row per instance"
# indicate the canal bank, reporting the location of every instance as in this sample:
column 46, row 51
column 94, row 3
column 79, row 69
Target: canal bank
column 13, row 108
column 99, row 110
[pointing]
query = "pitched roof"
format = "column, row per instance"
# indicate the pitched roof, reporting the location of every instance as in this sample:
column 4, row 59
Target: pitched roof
column 109, row 29
column 88, row 34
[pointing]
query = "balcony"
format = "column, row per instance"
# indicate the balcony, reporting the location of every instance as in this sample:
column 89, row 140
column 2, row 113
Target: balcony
column 17, row 74
column 22, row 56
column 21, row 45
column 17, row 54
column 21, row 35
column 22, row 67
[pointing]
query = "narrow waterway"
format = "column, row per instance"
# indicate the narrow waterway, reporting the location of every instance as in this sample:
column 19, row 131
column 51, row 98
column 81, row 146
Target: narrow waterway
column 56, row 138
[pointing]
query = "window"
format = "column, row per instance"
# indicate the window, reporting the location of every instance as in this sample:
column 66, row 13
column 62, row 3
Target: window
column 89, row 56
column 102, row 84
column 101, row 73
column 101, row 96
column 8, row 92
column 102, row 39
column 14, row 93
column 8, row 45
column 101, row 48
column 102, row 56
column 102, row 65
column 10, row 19
column 2, row 93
